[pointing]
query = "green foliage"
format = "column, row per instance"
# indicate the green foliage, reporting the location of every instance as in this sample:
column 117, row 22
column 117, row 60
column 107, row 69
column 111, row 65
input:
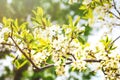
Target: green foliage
column 108, row 43
column 88, row 7
column 55, row 12
column 39, row 19
column 19, row 64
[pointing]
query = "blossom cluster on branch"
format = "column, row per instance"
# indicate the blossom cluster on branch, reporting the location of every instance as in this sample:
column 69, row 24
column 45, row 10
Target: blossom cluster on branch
column 46, row 45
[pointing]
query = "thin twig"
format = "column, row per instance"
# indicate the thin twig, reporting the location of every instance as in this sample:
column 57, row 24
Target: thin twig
column 67, row 58
column 113, row 14
column 116, row 24
column 115, row 40
column 15, row 58
column 93, row 60
column 49, row 66
column 3, row 43
column 43, row 68
column 103, row 71
column 11, row 25
column 114, row 5
column 117, row 75
column 72, row 56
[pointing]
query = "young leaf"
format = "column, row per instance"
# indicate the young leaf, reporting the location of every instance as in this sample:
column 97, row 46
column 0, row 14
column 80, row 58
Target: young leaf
column 40, row 11
column 81, row 40
column 21, row 65
column 76, row 21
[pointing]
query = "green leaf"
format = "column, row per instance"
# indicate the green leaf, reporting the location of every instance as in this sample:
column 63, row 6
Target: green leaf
column 83, row 7
column 81, row 40
column 107, row 39
column 70, row 21
column 76, row 21
column 11, row 55
column 6, row 35
column 7, row 22
column 88, row 29
column 17, row 64
column 90, row 13
column 21, row 65
column 113, row 48
column 34, row 12
column 40, row 11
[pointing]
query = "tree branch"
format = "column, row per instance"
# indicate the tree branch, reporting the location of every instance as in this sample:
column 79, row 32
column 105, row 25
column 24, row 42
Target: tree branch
column 29, row 59
column 24, row 53
column 67, row 63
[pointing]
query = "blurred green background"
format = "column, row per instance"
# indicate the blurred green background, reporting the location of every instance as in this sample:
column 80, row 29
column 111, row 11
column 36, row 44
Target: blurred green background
column 56, row 10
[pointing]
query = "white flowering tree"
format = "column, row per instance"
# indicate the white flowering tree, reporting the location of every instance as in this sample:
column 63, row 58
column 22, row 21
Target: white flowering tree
column 44, row 45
